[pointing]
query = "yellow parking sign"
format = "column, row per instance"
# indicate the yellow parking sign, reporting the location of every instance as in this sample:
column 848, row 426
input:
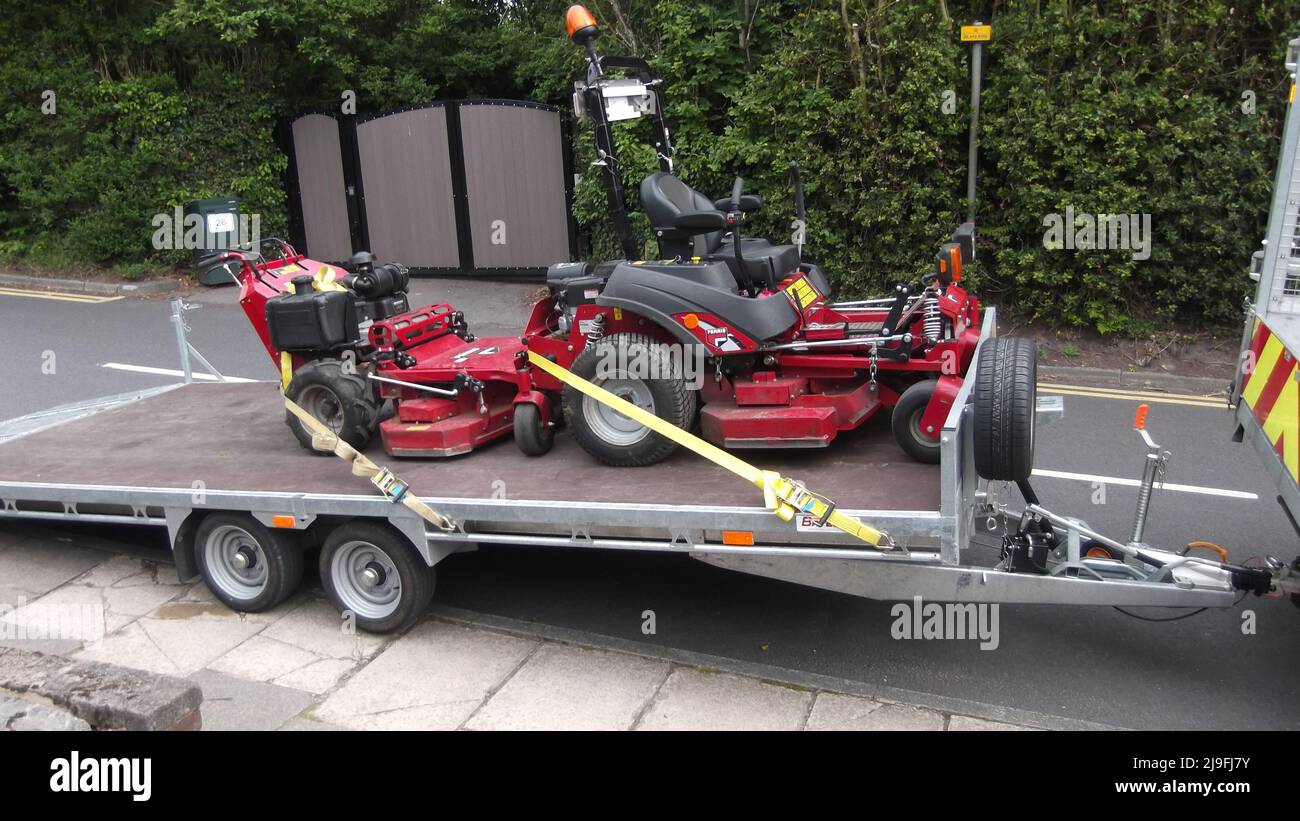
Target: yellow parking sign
column 976, row 34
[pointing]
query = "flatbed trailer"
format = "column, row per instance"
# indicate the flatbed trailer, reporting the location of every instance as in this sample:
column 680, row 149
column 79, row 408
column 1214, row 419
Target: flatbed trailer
column 173, row 457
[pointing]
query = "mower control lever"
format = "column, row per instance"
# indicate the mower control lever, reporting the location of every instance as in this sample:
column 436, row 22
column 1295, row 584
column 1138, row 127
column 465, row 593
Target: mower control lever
column 734, row 219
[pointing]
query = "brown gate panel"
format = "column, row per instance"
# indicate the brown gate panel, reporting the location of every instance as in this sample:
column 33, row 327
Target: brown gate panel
column 321, row 189
column 406, row 176
column 514, row 179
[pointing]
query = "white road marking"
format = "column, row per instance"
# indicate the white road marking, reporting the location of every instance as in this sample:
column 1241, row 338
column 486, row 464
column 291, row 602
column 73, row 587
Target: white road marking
column 206, row 377
column 1116, row 480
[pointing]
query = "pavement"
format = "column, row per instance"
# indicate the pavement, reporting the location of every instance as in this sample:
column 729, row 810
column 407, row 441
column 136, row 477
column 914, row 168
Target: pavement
column 1220, row 669
column 299, row 667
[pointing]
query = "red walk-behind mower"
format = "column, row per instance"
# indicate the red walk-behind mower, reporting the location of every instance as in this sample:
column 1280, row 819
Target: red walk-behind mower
column 738, row 332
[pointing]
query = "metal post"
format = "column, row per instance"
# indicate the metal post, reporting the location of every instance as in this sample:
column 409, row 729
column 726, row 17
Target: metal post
column 178, row 319
column 976, row 66
column 179, row 308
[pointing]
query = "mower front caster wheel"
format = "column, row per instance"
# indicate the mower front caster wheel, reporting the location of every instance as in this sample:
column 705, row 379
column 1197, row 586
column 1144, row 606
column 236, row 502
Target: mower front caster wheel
column 373, row 575
column 247, row 566
column 533, row 436
column 921, row 445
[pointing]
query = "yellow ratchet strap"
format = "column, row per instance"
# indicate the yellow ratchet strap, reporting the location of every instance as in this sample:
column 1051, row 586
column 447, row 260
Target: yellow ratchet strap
column 286, row 370
column 390, row 485
column 784, row 497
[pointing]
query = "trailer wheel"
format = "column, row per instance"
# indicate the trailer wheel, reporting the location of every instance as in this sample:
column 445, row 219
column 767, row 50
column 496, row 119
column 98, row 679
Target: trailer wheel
column 1006, row 379
column 339, row 400
column 906, row 422
column 247, row 566
column 533, row 436
column 609, row 435
column 372, row 572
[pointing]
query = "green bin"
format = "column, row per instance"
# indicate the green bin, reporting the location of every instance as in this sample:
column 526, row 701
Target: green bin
column 221, row 232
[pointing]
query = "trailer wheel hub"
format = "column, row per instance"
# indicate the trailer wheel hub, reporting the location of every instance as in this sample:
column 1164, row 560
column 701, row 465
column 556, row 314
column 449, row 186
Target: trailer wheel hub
column 372, row 576
column 244, row 558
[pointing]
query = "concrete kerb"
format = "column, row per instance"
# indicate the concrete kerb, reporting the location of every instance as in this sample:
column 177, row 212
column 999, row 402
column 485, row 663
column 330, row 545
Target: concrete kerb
column 82, row 286
column 105, row 696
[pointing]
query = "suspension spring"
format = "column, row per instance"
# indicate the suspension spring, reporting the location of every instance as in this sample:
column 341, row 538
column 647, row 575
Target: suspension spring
column 596, row 330
column 933, row 327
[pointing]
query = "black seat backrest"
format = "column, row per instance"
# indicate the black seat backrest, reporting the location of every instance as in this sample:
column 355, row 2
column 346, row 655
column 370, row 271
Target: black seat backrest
column 663, row 197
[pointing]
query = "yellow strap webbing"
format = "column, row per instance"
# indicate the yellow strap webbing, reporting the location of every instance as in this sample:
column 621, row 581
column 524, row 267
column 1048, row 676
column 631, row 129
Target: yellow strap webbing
column 394, row 488
column 782, row 496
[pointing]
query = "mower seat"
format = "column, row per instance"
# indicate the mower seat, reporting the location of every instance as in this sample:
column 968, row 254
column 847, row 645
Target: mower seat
column 661, row 292
column 664, row 197
column 768, row 264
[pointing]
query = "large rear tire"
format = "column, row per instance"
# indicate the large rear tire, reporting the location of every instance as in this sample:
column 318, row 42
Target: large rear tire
column 1006, row 380
column 341, row 401
column 631, row 360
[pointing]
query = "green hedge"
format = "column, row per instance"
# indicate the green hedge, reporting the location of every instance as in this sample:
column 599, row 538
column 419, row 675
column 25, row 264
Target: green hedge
column 1104, row 108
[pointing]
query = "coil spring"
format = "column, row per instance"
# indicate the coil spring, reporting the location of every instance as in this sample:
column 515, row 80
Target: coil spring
column 597, row 329
column 933, row 327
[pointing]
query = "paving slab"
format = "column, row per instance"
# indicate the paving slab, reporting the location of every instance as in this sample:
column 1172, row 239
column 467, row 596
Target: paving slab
column 319, row 677
column 262, row 659
column 171, row 647
column 316, row 626
column 833, row 711
column 31, row 568
column 697, row 700
column 114, row 570
column 968, row 724
column 304, row 723
column 231, row 703
column 563, row 687
column 433, row 678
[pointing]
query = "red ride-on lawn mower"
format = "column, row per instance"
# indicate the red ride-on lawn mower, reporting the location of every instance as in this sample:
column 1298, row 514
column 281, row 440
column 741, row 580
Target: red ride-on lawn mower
column 738, row 332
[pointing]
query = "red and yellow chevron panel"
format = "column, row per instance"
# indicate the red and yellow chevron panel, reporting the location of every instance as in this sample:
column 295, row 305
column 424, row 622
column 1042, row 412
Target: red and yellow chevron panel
column 1273, row 395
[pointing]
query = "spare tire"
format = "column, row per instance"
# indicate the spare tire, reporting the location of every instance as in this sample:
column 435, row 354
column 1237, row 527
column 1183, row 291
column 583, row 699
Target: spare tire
column 1005, row 396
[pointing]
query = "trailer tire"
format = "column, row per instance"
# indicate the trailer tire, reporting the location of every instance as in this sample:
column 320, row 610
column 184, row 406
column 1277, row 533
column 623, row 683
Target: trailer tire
column 906, row 422
column 1005, row 395
column 372, row 572
column 611, row 437
column 341, row 401
column 247, row 566
column 532, row 435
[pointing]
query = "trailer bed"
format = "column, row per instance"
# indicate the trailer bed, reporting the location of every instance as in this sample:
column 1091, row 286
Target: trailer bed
column 232, row 437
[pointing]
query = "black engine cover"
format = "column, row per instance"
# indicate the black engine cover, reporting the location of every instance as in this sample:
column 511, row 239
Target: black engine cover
column 313, row 321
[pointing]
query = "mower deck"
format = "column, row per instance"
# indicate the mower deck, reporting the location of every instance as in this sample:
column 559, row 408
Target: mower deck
column 231, row 437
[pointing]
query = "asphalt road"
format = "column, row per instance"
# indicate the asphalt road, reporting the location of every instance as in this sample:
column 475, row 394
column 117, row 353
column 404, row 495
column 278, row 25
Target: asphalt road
column 1084, row 662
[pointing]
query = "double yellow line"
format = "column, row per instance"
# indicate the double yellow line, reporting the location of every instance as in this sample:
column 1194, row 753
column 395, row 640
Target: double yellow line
column 1134, row 396
column 58, row 295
